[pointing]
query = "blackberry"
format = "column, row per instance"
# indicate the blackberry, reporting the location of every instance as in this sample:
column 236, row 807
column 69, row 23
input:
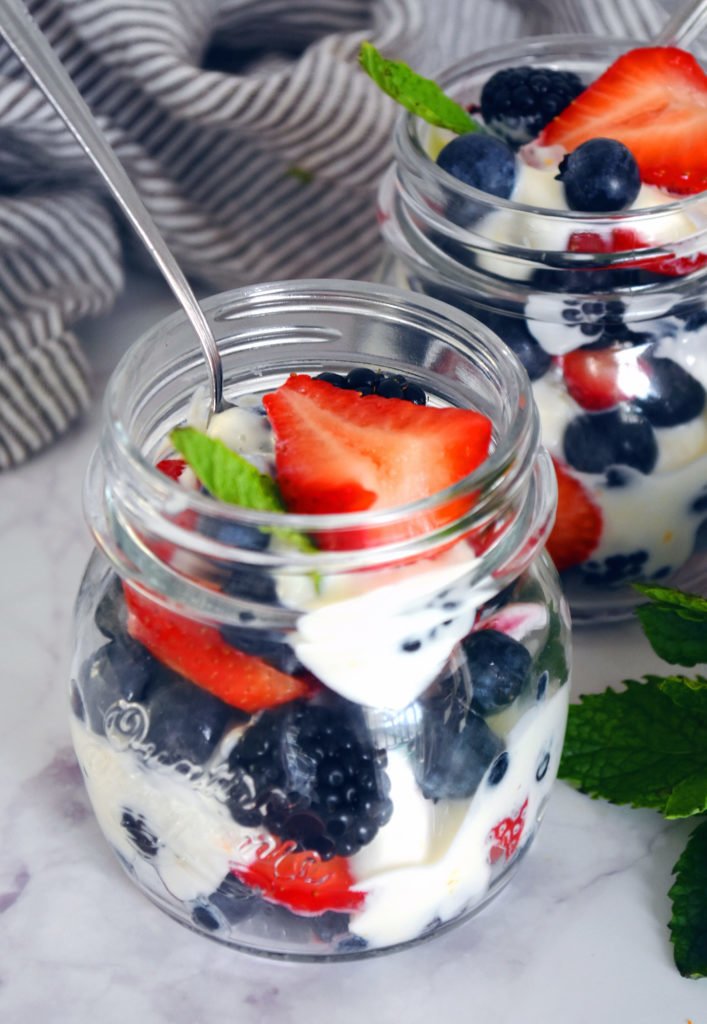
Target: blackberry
column 594, row 442
column 599, row 324
column 692, row 314
column 517, row 103
column 310, row 773
column 374, row 382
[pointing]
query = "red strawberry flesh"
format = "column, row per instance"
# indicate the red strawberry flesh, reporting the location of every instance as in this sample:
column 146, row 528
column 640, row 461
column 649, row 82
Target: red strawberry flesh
column 337, row 451
column 578, row 525
column 654, row 100
column 301, row 881
column 199, row 653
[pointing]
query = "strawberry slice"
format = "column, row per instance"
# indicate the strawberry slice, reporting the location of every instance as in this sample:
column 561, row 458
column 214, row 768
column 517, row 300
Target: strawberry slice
column 173, row 468
column 338, row 451
column 506, row 835
column 578, row 524
column 626, row 240
column 654, row 100
column 200, row 654
column 301, row 881
column 599, row 379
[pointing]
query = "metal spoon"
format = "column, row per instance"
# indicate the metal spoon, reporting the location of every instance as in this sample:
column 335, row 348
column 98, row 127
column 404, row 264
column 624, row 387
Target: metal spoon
column 40, row 60
column 687, row 23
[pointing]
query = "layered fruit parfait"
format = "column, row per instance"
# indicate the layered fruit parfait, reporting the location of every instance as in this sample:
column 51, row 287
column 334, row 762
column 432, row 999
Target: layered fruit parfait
column 572, row 219
column 320, row 706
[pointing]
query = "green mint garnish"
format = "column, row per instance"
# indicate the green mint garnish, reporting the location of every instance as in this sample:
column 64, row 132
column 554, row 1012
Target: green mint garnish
column 231, row 478
column 688, row 924
column 675, row 624
column 646, row 746
column 637, row 747
column 300, row 174
column 419, row 95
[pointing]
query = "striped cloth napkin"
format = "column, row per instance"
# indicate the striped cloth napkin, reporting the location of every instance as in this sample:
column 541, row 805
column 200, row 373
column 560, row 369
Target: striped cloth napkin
column 256, row 142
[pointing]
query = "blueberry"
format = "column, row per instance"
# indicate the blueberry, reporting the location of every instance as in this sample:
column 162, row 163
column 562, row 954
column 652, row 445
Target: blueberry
column 481, row 161
column 699, row 505
column 111, row 615
column 499, row 668
column 498, row 769
column 203, row 918
column 541, row 689
column 332, row 378
column 234, row 899
column 142, row 838
column 693, row 315
column 517, row 103
column 186, row 722
column 262, row 643
column 236, row 535
column 251, row 584
column 514, row 332
column 600, row 176
column 374, row 382
column 594, row 442
column 542, row 768
column 615, row 568
column 457, row 750
column 362, row 377
column 120, row 670
column 675, row 396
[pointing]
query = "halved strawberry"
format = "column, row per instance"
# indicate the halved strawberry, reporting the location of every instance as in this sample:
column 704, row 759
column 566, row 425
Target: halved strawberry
column 654, row 100
column 337, row 451
column 301, row 881
column 599, row 379
column 624, row 239
column 578, row 524
column 173, row 468
column 200, row 653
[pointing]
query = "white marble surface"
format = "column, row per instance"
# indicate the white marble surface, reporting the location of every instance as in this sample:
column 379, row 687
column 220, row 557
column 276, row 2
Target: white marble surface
column 579, row 937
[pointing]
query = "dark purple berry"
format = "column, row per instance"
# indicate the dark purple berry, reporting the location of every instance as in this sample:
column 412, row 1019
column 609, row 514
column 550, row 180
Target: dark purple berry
column 517, row 103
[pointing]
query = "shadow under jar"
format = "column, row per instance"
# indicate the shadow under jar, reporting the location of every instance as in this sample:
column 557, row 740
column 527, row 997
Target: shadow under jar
column 398, row 771
column 627, row 287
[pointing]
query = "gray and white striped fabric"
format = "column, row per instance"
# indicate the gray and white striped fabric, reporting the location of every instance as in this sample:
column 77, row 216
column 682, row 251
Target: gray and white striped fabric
column 256, row 142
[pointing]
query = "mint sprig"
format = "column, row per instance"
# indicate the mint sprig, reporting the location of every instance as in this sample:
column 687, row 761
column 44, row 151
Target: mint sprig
column 647, row 746
column 419, row 95
column 231, row 478
column 688, row 924
column 675, row 624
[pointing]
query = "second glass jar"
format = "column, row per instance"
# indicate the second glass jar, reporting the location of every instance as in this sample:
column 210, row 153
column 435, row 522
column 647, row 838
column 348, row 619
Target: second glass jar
column 554, row 283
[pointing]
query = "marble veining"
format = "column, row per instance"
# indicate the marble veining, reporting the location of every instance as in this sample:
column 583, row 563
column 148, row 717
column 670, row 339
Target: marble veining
column 579, row 936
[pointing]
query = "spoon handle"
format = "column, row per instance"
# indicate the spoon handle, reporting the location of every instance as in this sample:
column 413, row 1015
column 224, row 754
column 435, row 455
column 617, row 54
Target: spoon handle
column 34, row 52
column 686, row 23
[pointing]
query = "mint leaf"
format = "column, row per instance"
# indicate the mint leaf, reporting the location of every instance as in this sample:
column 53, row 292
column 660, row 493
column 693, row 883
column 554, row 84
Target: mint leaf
column 231, row 478
column 638, row 747
column 688, row 924
column 675, row 624
column 690, row 694
column 419, row 95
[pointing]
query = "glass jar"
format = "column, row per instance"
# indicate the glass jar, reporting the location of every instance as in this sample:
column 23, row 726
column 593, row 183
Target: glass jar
column 397, row 773
column 580, row 299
